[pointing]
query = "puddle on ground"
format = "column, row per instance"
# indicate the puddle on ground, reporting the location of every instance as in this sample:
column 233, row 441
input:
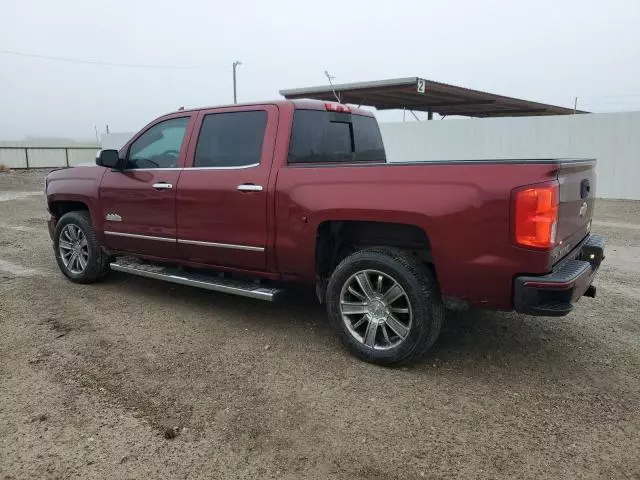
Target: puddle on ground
column 8, row 196
column 19, row 228
column 17, row 270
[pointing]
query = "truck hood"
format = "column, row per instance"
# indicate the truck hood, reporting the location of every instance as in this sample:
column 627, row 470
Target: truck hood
column 69, row 180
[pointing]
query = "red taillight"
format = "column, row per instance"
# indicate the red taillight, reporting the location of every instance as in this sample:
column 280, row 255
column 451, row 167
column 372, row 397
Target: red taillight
column 336, row 107
column 536, row 216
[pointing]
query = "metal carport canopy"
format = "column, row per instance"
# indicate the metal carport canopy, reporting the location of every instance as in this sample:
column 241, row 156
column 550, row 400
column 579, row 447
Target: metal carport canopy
column 415, row 93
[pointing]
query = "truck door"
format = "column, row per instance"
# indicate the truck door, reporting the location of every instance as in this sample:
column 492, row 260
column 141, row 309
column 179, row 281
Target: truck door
column 138, row 204
column 222, row 197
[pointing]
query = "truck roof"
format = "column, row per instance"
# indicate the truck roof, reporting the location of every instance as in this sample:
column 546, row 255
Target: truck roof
column 301, row 104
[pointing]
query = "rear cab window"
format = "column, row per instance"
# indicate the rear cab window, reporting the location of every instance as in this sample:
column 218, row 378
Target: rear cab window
column 320, row 137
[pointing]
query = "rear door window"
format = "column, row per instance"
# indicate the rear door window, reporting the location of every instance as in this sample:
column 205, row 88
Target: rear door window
column 231, row 139
column 329, row 137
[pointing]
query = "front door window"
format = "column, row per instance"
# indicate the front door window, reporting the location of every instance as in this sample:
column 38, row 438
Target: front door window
column 158, row 147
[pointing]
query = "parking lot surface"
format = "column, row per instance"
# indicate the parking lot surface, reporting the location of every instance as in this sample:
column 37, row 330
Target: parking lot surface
column 94, row 378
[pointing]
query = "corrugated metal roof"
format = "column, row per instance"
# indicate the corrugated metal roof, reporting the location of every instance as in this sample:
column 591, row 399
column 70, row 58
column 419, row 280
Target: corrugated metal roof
column 415, row 93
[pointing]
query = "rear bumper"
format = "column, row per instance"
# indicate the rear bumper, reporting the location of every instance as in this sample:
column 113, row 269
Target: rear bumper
column 554, row 294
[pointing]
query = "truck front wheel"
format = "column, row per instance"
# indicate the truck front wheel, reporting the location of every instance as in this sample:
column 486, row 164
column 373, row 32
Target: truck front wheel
column 77, row 250
column 385, row 305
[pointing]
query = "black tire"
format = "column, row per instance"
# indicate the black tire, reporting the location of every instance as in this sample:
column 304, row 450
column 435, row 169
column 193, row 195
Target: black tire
column 421, row 293
column 97, row 266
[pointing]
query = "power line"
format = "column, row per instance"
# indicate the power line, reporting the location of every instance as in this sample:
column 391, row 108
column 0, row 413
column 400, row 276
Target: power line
column 98, row 62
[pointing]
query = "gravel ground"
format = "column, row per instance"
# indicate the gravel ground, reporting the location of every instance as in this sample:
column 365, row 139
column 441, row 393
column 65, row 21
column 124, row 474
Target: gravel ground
column 93, row 379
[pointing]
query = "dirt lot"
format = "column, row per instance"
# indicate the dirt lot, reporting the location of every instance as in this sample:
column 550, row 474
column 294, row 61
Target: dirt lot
column 91, row 378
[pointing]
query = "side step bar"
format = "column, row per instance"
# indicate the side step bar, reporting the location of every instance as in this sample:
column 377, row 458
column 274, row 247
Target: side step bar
column 208, row 282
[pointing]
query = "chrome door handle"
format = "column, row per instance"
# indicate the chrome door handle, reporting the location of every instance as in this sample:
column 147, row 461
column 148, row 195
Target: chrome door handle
column 249, row 187
column 162, row 185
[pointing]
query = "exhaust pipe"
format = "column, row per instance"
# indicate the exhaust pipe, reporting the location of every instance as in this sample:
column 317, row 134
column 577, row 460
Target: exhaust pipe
column 590, row 292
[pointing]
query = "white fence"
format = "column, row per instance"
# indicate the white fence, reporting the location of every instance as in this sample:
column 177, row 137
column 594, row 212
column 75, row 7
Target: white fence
column 40, row 155
column 612, row 138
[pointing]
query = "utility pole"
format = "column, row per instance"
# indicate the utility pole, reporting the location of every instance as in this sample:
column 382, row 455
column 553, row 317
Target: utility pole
column 575, row 105
column 235, row 95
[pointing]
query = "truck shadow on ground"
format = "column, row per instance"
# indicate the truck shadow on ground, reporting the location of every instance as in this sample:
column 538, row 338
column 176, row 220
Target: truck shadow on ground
column 482, row 337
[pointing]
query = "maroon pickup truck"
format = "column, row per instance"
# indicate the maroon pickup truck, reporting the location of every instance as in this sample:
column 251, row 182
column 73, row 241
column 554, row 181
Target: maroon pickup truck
column 244, row 199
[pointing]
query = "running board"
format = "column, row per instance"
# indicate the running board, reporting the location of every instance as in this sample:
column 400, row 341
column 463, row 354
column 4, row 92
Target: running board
column 200, row 280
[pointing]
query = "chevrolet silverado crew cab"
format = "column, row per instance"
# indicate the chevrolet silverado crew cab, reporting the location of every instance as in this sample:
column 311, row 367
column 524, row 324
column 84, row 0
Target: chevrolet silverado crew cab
column 245, row 199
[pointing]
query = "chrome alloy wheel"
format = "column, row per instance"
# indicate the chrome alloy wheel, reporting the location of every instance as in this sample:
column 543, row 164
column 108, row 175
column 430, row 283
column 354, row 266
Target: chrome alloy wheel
column 73, row 248
column 375, row 309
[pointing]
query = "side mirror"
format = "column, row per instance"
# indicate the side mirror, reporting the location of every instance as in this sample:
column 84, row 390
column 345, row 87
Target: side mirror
column 109, row 159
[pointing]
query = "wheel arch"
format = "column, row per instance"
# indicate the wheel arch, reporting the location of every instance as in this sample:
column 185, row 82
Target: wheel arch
column 59, row 207
column 60, row 204
column 336, row 239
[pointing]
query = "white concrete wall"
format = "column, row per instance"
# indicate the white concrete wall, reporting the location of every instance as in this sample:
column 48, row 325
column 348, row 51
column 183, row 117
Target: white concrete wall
column 77, row 156
column 44, row 155
column 115, row 140
column 612, row 138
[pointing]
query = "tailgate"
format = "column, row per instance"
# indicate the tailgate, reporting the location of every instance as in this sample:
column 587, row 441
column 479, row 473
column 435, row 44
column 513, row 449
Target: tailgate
column 577, row 181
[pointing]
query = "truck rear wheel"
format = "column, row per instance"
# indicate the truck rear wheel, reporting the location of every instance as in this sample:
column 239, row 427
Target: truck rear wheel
column 385, row 305
column 77, row 250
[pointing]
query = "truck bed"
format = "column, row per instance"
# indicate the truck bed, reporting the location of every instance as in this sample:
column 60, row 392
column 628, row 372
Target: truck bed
column 463, row 206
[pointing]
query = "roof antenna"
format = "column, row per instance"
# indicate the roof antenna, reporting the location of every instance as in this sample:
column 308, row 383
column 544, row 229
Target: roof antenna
column 331, row 77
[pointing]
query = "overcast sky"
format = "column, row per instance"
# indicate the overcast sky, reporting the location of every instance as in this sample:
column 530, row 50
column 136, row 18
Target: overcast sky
column 548, row 51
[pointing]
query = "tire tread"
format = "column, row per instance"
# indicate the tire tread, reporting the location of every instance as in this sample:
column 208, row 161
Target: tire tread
column 428, row 290
column 98, row 267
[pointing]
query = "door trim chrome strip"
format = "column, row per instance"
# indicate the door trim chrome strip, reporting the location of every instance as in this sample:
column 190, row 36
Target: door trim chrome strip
column 143, row 237
column 180, row 169
column 187, row 242
column 221, row 245
column 239, row 167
